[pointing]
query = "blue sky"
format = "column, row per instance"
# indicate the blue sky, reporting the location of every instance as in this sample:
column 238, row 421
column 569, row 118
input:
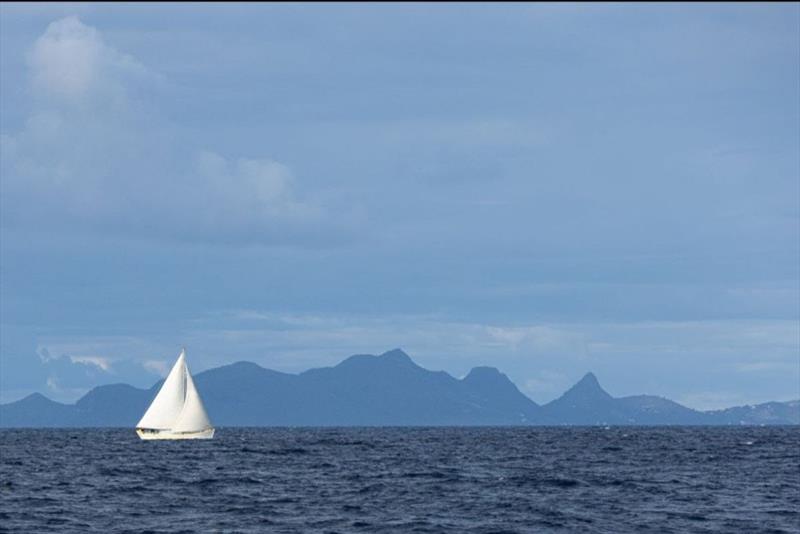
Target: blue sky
column 548, row 189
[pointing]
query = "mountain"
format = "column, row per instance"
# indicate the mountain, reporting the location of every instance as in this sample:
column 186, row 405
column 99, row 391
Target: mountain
column 36, row 410
column 114, row 405
column 587, row 403
column 768, row 413
column 652, row 410
column 361, row 390
column 389, row 389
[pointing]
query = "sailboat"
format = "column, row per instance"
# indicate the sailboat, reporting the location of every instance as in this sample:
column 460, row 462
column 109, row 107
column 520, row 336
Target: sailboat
column 177, row 412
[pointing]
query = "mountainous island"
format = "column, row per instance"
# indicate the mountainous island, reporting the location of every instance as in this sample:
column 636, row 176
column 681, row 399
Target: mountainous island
column 389, row 389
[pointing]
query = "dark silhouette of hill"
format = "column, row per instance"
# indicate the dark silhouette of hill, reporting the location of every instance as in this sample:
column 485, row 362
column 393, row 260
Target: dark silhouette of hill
column 389, row 389
column 587, row 403
column 361, row 390
column 768, row 413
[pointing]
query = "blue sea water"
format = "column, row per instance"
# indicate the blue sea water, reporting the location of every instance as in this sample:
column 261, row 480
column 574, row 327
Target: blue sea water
column 482, row 480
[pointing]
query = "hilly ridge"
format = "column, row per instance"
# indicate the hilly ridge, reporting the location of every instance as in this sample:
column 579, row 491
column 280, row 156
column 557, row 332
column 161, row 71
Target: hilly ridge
column 390, row 389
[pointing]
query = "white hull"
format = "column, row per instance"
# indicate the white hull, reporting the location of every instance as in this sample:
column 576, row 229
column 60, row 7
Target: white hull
column 208, row 433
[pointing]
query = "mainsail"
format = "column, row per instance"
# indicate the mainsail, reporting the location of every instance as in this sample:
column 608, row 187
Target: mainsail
column 177, row 406
column 193, row 417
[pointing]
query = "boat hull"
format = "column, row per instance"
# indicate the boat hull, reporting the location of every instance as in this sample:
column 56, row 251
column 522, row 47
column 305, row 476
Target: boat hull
column 208, row 433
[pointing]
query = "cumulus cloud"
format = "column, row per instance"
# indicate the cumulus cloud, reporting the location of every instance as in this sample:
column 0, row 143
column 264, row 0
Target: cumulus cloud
column 93, row 156
column 71, row 61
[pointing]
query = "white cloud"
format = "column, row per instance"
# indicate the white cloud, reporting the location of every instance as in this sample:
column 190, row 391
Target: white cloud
column 94, row 156
column 72, row 62
column 65, row 59
column 97, row 361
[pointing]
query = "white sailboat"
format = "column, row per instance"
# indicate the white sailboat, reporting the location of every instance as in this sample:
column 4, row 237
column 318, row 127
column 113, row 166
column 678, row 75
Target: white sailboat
column 177, row 412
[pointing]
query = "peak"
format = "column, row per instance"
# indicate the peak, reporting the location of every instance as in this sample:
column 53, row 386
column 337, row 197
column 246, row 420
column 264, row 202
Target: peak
column 486, row 377
column 36, row 398
column 588, row 386
column 388, row 360
column 245, row 365
column 490, row 377
column 396, row 355
column 240, row 366
column 589, row 379
column 483, row 372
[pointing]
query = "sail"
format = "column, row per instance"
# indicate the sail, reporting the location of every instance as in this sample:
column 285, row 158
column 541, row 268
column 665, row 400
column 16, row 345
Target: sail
column 193, row 417
column 169, row 401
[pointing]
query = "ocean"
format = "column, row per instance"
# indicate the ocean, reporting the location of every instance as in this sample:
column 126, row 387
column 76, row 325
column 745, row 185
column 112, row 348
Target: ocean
column 470, row 480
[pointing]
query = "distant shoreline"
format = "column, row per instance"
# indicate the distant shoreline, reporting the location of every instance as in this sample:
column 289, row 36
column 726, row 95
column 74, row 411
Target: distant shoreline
column 388, row 390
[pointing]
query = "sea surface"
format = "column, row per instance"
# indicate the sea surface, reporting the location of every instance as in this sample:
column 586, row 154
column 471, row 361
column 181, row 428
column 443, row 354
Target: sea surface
column 481, row 480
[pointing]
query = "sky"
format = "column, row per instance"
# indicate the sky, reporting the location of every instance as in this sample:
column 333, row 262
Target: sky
column 549, row 189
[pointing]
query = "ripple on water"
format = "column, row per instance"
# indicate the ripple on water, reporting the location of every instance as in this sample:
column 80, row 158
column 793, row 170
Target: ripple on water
column 477, row 480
